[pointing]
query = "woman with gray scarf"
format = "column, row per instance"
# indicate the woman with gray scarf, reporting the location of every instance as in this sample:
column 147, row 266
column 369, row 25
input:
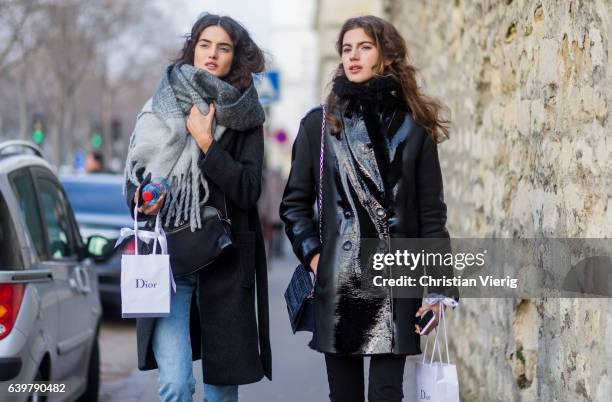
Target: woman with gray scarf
column 202, row 130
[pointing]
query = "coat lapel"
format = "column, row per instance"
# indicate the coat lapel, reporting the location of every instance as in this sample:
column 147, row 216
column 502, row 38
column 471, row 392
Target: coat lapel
column 361, row 151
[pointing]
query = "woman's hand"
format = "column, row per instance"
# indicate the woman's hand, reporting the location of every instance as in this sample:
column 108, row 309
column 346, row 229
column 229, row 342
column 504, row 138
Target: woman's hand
column 422, row 310
column 152, row 209
column 200, row 126
column 314, row 263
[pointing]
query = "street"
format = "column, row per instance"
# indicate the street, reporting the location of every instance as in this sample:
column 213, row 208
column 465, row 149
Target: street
column 298, row 372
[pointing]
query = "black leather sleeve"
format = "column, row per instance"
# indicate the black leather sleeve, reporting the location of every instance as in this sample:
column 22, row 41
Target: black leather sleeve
column 430, row 192
column 432, row 212
column 297, row 206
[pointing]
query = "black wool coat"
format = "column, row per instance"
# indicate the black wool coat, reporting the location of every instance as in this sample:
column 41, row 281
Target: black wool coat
column 230, row 331
column 381, row 179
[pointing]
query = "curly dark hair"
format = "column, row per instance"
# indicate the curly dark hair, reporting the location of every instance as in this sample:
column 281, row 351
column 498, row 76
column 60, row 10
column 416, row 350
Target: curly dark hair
column 393, row 62
column 248, row 57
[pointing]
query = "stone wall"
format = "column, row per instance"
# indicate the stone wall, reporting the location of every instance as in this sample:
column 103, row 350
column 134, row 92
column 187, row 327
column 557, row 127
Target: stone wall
column 529, row 84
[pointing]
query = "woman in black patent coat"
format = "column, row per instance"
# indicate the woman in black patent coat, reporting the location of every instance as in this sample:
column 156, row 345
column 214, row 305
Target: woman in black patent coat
column 381, row 179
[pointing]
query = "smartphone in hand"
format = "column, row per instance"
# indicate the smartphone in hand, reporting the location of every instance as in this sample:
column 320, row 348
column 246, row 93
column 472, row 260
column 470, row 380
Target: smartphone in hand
column 426, row 320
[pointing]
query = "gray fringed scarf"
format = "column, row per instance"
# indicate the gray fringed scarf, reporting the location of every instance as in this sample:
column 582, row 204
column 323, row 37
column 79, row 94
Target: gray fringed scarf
column 162, row 146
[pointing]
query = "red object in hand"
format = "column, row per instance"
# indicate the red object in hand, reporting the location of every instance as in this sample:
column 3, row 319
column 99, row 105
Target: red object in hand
column 147, row 196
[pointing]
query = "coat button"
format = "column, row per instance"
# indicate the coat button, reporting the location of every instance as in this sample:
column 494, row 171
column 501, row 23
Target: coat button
column 347, row 245
column 347, row 214
column 380, row 212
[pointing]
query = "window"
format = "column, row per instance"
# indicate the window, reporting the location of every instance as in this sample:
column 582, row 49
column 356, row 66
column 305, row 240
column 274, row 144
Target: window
column 26, row 197
column 55, row 215
column 10, row 252
column 96, row 198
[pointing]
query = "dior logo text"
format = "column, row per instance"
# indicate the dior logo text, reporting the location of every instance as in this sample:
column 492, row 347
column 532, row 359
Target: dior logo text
column 141, row 283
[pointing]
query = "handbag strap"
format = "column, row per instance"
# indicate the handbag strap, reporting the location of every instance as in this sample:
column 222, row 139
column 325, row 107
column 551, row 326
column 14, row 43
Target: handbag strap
column 321, row 158
column 320, row 196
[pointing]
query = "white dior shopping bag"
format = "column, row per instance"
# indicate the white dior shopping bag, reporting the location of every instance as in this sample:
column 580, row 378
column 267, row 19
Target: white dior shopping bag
column 146, row 279
column 437, row 381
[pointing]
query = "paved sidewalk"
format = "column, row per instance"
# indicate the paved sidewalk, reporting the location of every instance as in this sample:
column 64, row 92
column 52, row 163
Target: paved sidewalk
column 298, row 372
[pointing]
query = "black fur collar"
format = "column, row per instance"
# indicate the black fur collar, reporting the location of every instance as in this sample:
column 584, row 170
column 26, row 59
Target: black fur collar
column 377, row 94
column 376, row 89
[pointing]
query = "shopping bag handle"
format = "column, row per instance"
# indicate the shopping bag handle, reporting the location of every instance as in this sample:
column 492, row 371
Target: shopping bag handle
column 445, row 336
column 157, row 235
column 433, row 351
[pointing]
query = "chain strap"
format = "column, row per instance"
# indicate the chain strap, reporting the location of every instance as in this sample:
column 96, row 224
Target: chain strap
column 321, row 157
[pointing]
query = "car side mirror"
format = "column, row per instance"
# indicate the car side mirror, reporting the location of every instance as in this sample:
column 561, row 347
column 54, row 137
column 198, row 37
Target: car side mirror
column 99, row 248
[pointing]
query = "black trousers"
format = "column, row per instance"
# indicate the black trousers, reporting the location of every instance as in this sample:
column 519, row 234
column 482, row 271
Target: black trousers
column 346, row 378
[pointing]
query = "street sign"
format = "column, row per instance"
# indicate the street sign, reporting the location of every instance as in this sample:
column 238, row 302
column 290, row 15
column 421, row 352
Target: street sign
column 280, row 136
column 268, row 87
column 79, row 160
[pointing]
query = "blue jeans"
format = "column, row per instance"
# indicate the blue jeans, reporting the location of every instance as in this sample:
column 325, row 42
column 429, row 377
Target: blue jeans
column 172, row 349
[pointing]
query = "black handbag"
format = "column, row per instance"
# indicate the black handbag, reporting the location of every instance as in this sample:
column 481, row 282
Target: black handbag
column 299, row 298
column 299, row 295
column 191, row 251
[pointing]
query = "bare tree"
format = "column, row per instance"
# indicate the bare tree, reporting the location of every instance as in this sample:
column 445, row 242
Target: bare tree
column 70, row 51
column 131, row 59
column 86, row 39
column 72, row 68
column 16, row 40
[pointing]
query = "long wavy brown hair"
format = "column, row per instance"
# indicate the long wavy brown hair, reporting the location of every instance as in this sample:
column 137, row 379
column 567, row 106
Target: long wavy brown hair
column 393, row 61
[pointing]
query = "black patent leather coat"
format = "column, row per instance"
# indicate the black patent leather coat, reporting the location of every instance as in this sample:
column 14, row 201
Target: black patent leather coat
column 381, row 178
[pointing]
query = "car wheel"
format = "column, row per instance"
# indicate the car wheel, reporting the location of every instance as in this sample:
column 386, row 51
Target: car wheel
column 36, row 397
column 93, row 375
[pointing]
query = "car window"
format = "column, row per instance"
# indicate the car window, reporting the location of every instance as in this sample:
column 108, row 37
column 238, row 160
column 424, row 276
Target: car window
column 28, row 206
column 75, row 227
column 96, row 198
column 10, row 252
column 55, row 215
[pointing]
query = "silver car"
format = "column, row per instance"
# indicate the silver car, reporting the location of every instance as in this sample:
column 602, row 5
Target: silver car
column 49, row 303
column 100, row 209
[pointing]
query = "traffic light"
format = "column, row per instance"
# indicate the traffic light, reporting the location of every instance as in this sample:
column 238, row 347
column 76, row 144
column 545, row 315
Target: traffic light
column 96, row 138
column 116, row 128
column 38, row 131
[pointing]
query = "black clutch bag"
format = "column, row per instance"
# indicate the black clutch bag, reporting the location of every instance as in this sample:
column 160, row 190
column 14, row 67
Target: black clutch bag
column 300, row 301
column 191, row 251
column 300, row 292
